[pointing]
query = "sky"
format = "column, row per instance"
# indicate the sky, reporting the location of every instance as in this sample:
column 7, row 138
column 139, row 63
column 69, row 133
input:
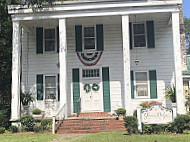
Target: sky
column 186, row 8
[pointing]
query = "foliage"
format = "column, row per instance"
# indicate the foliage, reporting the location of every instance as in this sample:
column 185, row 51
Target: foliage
column 27, row 122
column 187, row 33
column 181, row 122
column 46, row 124
column 38, row 129
column 155, row 128
column 149, row 104
column 26, row 98
column 121, row 111
column 131, row 124
column 36, row 111
column 171, row 93
column 147, row 129
column 13, row 129
column 2, row 130
column 135, row 113
column 4, row 118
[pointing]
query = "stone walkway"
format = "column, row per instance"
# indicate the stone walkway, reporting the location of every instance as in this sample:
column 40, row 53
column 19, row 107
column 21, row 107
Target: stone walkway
column 68, row 137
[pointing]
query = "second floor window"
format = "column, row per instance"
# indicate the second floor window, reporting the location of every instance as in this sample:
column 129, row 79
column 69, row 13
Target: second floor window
column 139, row 35
column 89, row 38
column 49, row 39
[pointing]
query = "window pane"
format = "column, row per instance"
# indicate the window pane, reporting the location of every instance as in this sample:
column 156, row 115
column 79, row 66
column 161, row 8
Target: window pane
column 141, row 83
column 139, row 41
column 142, row 90
column 50, row 45
column 89, row 32
column 50, row 81
column 89, row 43
column 138, row 28
column 49, row 33
column 50, row 93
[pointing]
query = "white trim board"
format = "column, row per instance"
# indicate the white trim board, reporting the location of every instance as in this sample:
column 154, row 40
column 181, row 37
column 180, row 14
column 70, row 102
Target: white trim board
column 93, row 13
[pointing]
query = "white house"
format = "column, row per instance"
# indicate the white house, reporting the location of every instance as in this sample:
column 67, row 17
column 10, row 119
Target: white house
column 96, row 56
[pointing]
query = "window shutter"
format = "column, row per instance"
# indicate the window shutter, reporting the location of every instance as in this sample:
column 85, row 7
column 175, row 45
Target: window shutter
column 78, row 38
column 153, row 84
column 76, row 89
column 106, row 89
column 132, row 86
column 39, row 82
column 100, row 37
column 150, row 34
column 58, row 86
column 39, row 40
column 130, row 35
column 57, row 39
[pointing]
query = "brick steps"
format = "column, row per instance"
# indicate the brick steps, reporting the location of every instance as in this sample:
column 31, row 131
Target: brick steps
column 92, row 122
column 90, row 126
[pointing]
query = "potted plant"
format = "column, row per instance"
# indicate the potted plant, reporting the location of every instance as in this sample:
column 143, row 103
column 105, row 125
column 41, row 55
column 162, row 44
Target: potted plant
column 121, row 112
column 171, row 94
column 25, row 99
column 37, row 113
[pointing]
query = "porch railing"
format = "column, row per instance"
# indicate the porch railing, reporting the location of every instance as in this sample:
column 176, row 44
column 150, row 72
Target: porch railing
column 59, row 116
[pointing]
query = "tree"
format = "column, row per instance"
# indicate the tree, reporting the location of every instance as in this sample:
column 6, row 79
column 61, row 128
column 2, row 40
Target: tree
column 187, row 33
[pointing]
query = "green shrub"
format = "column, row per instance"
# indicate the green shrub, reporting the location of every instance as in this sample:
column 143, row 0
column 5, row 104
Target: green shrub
column 38, row 129
column 120, row 111
column 147, row 129
column 46, row 124
column 159, row 128
column 13, row 129
column 2, row 130
column 27, row 122
column 181, row 122
column 36, row 111
column 135, row 113
column 4, row 118
column 131, row 124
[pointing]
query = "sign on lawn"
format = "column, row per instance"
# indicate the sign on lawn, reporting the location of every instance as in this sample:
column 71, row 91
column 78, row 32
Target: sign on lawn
column 156, row 114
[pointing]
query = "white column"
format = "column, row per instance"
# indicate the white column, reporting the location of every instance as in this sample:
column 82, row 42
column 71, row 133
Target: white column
column 62, row 62
column 126, row 63
column 177, row 63
column 15, row 102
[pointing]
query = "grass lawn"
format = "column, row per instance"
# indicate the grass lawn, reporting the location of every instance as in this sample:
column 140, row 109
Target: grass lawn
column 27, row 137
column 123, row 137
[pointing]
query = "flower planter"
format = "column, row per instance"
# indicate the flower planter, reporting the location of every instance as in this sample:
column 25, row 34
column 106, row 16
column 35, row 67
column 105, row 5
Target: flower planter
column 121, row 117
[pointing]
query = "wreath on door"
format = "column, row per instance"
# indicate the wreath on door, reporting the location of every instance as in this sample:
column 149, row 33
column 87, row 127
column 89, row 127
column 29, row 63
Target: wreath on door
column 87, row 88
column 95, row 87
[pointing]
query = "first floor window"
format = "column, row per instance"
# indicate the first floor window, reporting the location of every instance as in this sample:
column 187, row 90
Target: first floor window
column 141, row 84
column 139, row 35
column 49, row 39
column 89, row 38
column 50, row 87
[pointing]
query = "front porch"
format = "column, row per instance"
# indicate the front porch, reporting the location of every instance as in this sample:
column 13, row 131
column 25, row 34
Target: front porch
column 114, row 71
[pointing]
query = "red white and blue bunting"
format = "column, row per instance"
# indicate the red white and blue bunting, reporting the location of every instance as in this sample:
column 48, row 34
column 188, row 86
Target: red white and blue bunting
column 89, row 58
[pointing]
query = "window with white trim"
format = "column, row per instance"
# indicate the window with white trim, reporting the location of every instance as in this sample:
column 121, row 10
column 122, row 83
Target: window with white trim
column 89, row 38
column 87, row 73
column 141, row 84
column 139, row 35
column 50, row 87
column 49, row 39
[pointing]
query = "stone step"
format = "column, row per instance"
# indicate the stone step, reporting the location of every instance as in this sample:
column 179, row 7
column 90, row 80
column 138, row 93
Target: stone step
column 91, row 114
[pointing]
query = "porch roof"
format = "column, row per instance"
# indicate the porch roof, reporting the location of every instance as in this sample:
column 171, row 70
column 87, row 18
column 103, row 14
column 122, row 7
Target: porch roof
column 74, row 5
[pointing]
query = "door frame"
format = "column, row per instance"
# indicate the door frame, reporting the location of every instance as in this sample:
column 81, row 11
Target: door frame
column 100, row 79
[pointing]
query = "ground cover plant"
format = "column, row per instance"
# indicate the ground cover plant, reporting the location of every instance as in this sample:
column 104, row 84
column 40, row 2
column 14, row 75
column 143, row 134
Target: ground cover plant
column 124, row 137
column 28, row 137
